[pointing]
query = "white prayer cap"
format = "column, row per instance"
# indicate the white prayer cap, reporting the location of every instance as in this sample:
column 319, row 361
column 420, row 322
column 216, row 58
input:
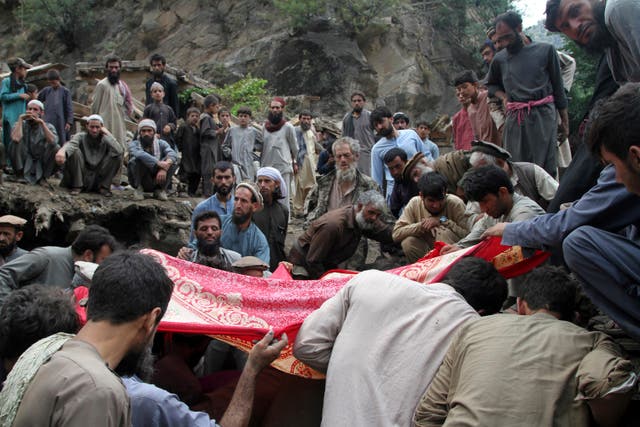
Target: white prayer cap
column 156, row 85
column 275, row 175
column 36, row 103
column 94, row 117
column 147, row 123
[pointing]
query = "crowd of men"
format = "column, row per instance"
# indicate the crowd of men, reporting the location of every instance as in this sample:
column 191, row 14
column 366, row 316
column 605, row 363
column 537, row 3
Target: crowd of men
column 394, row 351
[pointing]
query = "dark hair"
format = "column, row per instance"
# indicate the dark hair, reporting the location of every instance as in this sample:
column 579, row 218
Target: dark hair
column 157, row 57
column 466, row 76
column 245, row 110
column 210, row 100
column 222, row 166
column 550, row 288
column 31, row 88
column 510, row 18
column 615, row 122
column 93, row 238
column 390, row 155
column 126, row 286
column 400, row 116
column 479, row 283
column 305, row 113
column 53, row 75
column 433, row 184
column 357, row 93
column 487, row 44
column 423, row 123
column 223, row 110
column 193, row 110
column 478, row 182
column 378, row 114
column 551, row 11
column 205, row 216
column 34, row 312
column 112, row 58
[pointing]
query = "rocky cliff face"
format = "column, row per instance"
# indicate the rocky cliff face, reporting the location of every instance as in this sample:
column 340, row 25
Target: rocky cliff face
column 400, row 61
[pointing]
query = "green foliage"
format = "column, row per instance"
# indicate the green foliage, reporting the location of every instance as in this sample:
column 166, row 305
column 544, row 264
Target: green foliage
column 249, row 91
column 354, row 15
column 70, row 20
column 299, row 12
column 583, row 83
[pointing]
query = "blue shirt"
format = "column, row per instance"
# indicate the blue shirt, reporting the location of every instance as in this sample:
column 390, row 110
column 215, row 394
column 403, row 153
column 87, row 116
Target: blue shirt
column 153, row 406
column 249, row 242
column 407, row 139
column 608, row 206
column 210, row 204
column 430, row 149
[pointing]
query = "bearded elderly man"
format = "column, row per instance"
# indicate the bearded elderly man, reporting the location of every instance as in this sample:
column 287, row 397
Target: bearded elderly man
column 334, row 237
column 11, row 227
column 34, row 144
column 91, row 159
column 340, row 187
column 152, row 162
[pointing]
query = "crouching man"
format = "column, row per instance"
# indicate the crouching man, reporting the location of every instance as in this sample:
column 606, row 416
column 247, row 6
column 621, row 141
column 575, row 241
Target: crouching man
column 152, row 162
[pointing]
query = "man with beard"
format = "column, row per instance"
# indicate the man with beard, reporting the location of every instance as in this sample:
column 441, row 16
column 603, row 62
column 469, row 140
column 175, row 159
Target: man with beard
column 152, row 162
column 157, row 64
column 222, row 200
column 65, row 380
column 112, row 101
column 478, row 111
column 53, row 265
column 612, row 26
column 430, row 217
column 408, row 140
column 10, row 234
column 308, row 150
column 491, row 187
column 208, row 229
column 273, row 219
column 13, row 96
column 34, row 146
column 357, row 124
column 531, row 98
column 335, row 236
column 279, row 148
column 92, row 159
column 239, row 232
column 210, row 150
column 340, row 187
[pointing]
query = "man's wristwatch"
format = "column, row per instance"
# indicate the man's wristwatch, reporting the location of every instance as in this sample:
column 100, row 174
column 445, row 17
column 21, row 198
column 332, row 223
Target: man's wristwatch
column 443, row 219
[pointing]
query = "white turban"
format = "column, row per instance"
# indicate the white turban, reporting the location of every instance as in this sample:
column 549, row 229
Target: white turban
column 95, row 117
column 275, row 175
